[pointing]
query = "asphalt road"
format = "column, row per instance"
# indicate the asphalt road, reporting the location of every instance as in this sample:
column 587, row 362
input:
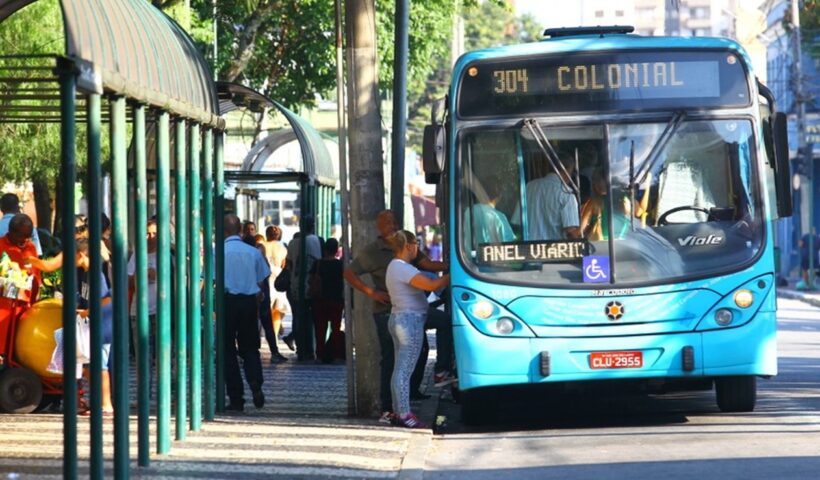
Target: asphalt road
column 610, row 435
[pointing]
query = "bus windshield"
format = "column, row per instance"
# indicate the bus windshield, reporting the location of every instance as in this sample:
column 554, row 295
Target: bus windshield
column 625, row 203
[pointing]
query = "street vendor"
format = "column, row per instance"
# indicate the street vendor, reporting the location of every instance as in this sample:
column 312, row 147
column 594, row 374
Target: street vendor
column 17, row 245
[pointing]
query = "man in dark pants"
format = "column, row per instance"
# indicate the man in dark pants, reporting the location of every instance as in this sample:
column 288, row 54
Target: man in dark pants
column 373, row 259
column 245, row 270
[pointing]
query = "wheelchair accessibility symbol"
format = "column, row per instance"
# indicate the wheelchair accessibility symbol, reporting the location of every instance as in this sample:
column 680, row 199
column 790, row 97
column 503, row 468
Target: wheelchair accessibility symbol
column 596, row 269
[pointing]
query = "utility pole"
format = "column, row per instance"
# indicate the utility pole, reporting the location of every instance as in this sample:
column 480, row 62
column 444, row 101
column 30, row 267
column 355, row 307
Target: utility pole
column 800, row 107
column 402, row 21
column 366, row 183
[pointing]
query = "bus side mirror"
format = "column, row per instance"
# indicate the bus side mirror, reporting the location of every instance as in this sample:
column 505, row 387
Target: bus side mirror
column 783, row 177
column 433, row 152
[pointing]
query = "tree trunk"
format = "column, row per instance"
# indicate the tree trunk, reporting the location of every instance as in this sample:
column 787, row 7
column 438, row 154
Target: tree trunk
column 42, row 203
column 367, row 184
column 246, row 41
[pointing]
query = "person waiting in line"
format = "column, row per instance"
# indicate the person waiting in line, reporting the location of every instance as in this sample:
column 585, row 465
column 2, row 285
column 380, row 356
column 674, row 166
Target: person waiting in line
column 248, row 229
column 298, row 297
column 107, row 326
column 277, row 254
column 327, row 297
column 407, row 288
column 151, row 263
column 245, row 270
column 552, row 207
column 264, row 304
column 10, row 206
column 373, row 259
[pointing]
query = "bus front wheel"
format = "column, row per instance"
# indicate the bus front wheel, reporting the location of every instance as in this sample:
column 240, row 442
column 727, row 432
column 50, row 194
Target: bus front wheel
column 736, row 394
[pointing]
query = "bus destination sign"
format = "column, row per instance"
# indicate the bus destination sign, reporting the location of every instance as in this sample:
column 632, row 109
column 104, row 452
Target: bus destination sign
column 599, row 82
column 559, row 251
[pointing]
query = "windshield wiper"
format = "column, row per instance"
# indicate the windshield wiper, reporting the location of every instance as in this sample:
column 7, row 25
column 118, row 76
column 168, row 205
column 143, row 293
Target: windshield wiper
column 659, row 146
column 552, row 156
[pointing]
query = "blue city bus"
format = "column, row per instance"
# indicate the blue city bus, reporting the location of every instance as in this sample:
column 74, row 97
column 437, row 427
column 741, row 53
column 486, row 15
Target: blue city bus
column 609, row 202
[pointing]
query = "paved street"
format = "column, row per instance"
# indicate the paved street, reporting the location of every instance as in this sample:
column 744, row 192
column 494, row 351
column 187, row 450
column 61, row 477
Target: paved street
column 641, row 436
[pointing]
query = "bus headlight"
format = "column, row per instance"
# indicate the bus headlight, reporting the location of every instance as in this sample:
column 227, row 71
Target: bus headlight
column 482, row 309
column 504, row 326
column 723, row 316
column 744, row 298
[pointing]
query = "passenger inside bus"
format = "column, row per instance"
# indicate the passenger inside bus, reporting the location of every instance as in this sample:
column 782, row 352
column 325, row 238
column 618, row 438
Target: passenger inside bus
column 552, row 204
column 482, row 222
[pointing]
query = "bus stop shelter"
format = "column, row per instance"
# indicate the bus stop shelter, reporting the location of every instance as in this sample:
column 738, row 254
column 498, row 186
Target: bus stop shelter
column 124, row 66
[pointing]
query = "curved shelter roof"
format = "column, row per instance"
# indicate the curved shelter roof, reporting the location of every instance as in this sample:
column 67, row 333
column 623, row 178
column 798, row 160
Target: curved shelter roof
column 317, row 163
column 129, row 47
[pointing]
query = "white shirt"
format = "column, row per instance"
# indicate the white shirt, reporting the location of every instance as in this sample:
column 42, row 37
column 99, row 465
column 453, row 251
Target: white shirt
column 245, row 267
column 403, row 296
column 152, row 284
column 551, row 207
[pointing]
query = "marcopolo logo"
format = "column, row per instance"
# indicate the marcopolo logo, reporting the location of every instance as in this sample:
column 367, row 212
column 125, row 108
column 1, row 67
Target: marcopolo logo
column 696, row 241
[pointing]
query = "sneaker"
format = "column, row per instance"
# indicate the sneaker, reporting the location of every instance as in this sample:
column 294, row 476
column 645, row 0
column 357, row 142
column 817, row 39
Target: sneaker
column 258, row 398
column 411, row 421
column 441, row 379
column 278, row 358
column 388, row 418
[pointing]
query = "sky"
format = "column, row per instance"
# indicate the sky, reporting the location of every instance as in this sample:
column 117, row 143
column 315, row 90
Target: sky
column 552, row 13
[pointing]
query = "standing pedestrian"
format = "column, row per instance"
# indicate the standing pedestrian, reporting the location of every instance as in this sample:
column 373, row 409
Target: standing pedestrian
column 328, row 304
column 245, row 270
column 373, row 259
column 302, row 328
column 407, row 288
column 265, row 319
column 277, row 253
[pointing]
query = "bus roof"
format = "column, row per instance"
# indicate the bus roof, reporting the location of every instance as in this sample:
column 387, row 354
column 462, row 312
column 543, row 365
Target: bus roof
column 601, row 42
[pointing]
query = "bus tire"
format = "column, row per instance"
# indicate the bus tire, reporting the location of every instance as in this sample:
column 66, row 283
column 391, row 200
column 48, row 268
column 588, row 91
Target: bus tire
column 478, row 407
column 736, row 394
column 20, row 390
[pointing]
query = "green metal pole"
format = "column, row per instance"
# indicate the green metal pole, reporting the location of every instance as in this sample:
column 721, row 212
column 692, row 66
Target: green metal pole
column 93, row 107
column 68, row 91
column 119, row 348
column 141, row 294
column 195, row 293
column 180, row 300
column 207, row 239
column 163, row 284
column 219, row 255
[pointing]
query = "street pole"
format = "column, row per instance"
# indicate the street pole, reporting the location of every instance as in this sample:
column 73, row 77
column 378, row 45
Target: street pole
column 367, row 184
column 801, row 130
column 345, row 203
column 402, row 21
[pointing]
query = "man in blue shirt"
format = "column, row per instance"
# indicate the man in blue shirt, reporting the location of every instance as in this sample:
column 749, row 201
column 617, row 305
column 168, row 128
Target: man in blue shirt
column 245, row 270
column 10, row 206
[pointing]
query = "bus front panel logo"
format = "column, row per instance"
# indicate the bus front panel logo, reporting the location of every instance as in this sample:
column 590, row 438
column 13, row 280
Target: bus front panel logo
column 614, row 310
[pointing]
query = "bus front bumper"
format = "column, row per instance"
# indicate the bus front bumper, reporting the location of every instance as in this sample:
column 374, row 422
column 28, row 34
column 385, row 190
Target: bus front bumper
column 485, row 361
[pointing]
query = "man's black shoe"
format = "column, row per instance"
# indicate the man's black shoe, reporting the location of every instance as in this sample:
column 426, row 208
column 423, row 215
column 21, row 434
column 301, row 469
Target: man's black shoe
column 278, row 358
column 234, row 407
column 258, row 399
column 289, row 342
column 419, row 396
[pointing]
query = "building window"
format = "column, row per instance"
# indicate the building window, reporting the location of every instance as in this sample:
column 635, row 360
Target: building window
column 599, row 13
column 619, row 13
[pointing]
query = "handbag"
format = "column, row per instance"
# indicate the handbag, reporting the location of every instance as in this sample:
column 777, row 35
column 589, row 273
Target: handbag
column 282, row 282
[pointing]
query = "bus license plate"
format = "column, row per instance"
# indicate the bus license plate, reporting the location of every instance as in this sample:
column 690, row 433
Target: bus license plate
column 602, row 360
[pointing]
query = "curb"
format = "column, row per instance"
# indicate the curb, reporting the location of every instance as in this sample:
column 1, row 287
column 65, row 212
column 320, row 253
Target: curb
column 412, row 466
column 792, row 295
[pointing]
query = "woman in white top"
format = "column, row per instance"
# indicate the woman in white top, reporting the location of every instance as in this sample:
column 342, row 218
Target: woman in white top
column 276, row 253
column 407, row 288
